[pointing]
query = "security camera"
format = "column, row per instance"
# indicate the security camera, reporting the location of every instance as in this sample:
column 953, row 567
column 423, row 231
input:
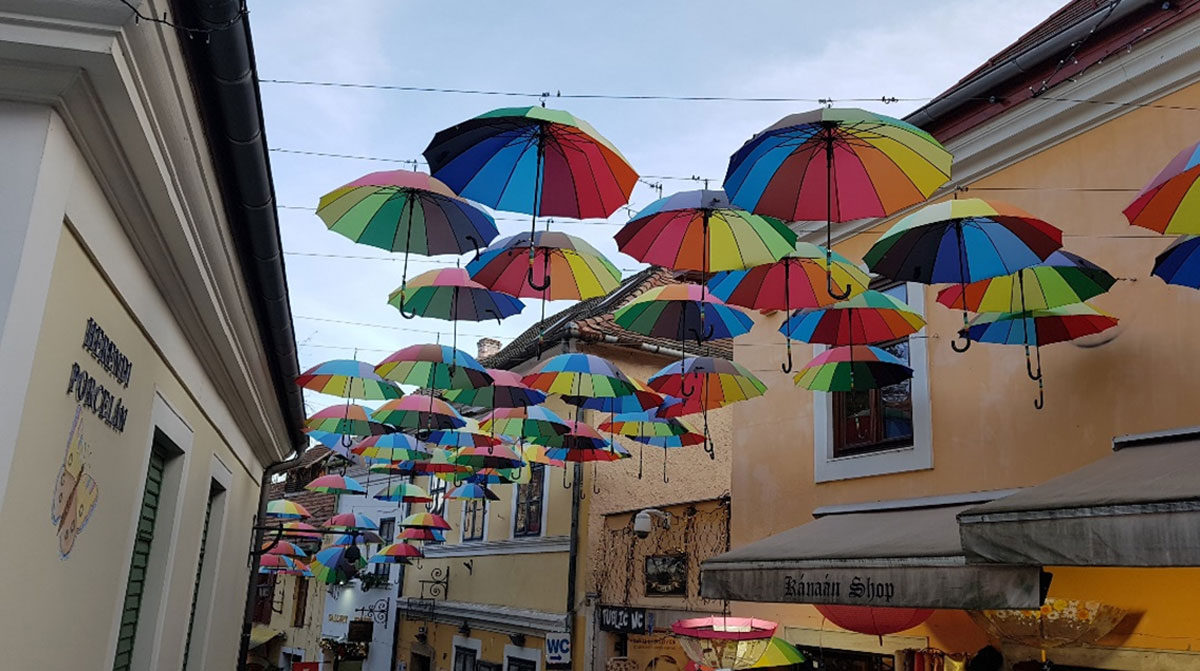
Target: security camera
column 643, row 522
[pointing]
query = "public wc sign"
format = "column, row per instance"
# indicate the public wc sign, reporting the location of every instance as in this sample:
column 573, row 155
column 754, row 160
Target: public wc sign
column 558, row 648
column 625, row 620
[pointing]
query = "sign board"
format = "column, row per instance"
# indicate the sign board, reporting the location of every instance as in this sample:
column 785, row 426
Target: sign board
column 624, row 620
column 558, row 648
column 360, row 631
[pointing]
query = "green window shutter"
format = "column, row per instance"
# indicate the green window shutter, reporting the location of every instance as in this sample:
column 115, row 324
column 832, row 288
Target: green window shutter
column 187, row 646
column 141, row 559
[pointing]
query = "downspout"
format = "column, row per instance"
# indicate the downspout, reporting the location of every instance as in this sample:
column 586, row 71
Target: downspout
column 576, row 503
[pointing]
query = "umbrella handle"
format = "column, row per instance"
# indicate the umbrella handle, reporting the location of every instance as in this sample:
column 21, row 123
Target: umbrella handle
column 545, row 271
column 1029, row 370
column 962, row 336
column 684, row 389
column 401, row 308
column 495, row 314
column 666, row 480
column 1040, row 401
column 829, row 287
column 787, row 367
column 472, row 239
column 595, row 479
column 701, row 337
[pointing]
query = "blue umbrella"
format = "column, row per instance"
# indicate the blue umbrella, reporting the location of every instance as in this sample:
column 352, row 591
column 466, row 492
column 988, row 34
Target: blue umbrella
column 1179, row 263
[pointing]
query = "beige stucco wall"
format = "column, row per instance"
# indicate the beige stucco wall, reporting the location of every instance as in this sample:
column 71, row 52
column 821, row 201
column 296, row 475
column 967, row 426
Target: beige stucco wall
column 1138, row 377
column 306, row 638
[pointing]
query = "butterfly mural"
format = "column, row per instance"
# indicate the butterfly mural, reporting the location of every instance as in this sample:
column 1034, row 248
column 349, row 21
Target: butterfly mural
column 75, row 492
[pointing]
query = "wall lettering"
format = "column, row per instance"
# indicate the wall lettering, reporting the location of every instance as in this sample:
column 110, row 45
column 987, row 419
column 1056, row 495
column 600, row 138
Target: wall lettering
column 866, row 589
column 90, row 393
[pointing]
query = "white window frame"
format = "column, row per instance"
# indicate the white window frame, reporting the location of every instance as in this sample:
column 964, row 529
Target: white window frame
column 915, row 457
column 462, row 525
column 467, row 643
column 528, row 654
column 512, row 528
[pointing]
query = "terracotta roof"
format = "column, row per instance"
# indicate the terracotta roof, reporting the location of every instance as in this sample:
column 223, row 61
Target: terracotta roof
column 593, row 319
column 322, row 506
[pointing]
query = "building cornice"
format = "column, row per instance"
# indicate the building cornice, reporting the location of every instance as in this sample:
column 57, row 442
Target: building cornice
column 502, row 619
column 511, row 546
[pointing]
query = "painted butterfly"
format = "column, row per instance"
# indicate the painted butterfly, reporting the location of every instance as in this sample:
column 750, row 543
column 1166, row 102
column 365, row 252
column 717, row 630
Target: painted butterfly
column 75, row 493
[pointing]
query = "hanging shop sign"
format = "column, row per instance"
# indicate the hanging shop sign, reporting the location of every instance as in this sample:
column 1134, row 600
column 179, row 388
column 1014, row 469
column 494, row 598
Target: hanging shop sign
column 89, row 391
column 625, row 620
column 360, row 631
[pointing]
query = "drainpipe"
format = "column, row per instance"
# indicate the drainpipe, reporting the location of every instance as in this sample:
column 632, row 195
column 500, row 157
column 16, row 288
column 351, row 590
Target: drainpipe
column 573, row 333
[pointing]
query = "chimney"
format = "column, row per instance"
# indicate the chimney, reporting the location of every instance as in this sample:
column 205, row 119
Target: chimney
column 487, row 347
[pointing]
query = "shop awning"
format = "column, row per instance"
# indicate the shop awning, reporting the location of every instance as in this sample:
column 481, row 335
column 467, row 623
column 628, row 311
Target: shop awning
column 898, row 553
column 262, row 634
column 1137, row 507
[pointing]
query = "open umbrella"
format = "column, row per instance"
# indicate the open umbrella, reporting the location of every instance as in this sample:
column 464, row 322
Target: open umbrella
column 642, row 398
column 536, row 454
column 396, row 553
column 354, row 538
column 391, row 447
column 648, row 428
column 852, row 368
column 404, row 468
column 442, row 462
column 335, row 484
column 300, row 530
column 282, row 547
column 403, row 492
column 419, row 412
column 287, row 510
column 1062, row 279
column 534, row 424
column 836, row 165
column 405, row 211
column 962, row 241
column 498, row 456
column 1179, row 263
column 681, row 311
column 506, row 391
column 279, row 562
column 422, row 534
column 579, row 374
column 472, row 491
column 347, row 421
column 870, row 317
column 337, row 564
column 1170, row 203
column 434, row 367
column 451, row 294
column 716, row 382
column 470, row 435
column 425, row 521
column 348, row 378
column 351, row 521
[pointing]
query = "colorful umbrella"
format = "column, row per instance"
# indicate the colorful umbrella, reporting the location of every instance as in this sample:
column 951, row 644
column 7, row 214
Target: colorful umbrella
column 495, row 476
column 1170, row 203
column 592, row 453
column 681, row 311
column 422, row 534
column 277, row 562
column 403, row 492
column 1038, row 328
column 345, row 540
column 419, row 412
column 442, row 462
column 648, row 428
column 506, row 391
column 391, row 447
column 349, row 379
column 450, row 294
column 434, row 367
column 301, row 530
column 791, row 283
column 404, row 211
column 779, row 654
column 287, row 510
column 535, row 424
column 1179, row 264
column 299, row 568
column 873, row 166
column 578, row 374
column 962, row 241
column 700, row 230
column 282, row 547
column 347, row 521
column 852, row 368
column 396, row 468
column 642, row 398
column 335, row 484
column 1062, row 279
column 396, row 553
column 719, row 381
column 870, row 317
column 470, row 435
column 348, row 419
column 472, row 491
column 498, row 456
column 425, row 521
column 337, row 564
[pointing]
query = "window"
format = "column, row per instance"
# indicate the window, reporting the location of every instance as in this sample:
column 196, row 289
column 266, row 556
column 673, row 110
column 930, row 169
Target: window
column 213, row 491
column 872, row 420
column 474, row 516
column 387, row 531
column 135, row 586
column 437, row 492
column 264, row 598
column 464, row 659
column 518, row 664
column 300, row 610
column 528, row 518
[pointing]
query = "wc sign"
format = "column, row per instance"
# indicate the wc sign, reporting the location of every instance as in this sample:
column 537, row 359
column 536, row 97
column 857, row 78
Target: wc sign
column 558, row 649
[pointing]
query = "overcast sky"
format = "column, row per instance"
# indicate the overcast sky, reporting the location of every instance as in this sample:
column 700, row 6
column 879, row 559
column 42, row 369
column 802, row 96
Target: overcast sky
column 777, row 48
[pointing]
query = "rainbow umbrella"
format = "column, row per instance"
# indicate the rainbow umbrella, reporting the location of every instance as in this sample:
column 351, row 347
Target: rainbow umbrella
column 348, row 419
column 301, row 530
column 404, row 211
column 395, row 468
column 717, row 382
column 422, row 534
column 873, row 166
column 681, row 311
column 396, row 553
column 287, row 510
column 349, row 379
column 391, row 447
column 494, row 476
column 300, row 569
column 852, row 368
column 282, row 547
column 277, row 562
column 335, row 484
column 578, row 374
column 593, row 454
column 791, row 283
column 1179, row 264
column 779, row 654
column 345, row 540
column 1038, row 328
column 337, row 564
column 648, row 428
column 442, row 462
column 542, row 162
column 451, row 294
column 348, row 521
column 506, row 391
column 403, row 492
column 535, row 424
column 472, row 491
column 419, row 412
column 497, row 456
column 642, row 398
column 425, row 521
column 470, row 435
column 962, row 241
column 536, row 454
column 434, row 367
column 1170, row 203
column 870, row 317
column 1062, row 279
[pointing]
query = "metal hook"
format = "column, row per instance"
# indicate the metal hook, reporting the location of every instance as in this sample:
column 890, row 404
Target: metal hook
column 595, row 478
column 666, row 480
column 401, row 307
column 566, row 485
column 787, row 367
column 962, row 335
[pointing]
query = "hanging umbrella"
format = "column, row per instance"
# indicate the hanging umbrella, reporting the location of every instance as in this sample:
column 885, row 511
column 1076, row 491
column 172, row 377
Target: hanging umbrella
column 962, row 241
column 472, row 491
column 404, row 211
column 345, row 540
column 681, row 311
column 349, row 521
column 852, row 368
column 494, row 476
column 535, row 424
column 791, row 283
column 1170, row 203
column 538, row 161
column 442, row 462
column 536, row 454
column 506, row 391
column 396, row 468
column 349, row 379
column 870, row 317
column 282, row 547
column 470, row 435
column 1038, row 328
column 642, row 398
column 578, row 374
column 836, row 165
column 584, row 444
column 434, row 367
column 391, row 447
column 277, row 562
column 337, row 564
column 450, row 294
column 287, row 510
column 301, row 530
column 1179, row 264
column 648, row 428
column 396, row 553
column 1062, row 279
column 403, row 492
column 419, row 412
column 716, row 381
column 335, row 484
column 779, row 654
column 422, row 534
column 498, row 456
column 348, row 419
column 425, row 521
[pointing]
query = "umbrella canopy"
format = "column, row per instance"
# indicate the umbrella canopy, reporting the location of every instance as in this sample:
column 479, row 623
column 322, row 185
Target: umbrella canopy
column 287, row 510
column 642, row 398
column 391, row 447
column 301, row 530
column 682, row 311
column 335, row 484
column 451, row 294
column 434, row 367
column 580, row 374
column 344, row 540
column 422, row 534
column 1179, row 263
column 535, row 424
column 536, row 454
column 639, row 425
column 852, row 368
column 279, row 562
column 700, row 230
column 396, row 468
column 419, row 412
column 403, row 492
column 498, row 456
column 470, row 435
column 396, row 553
column 795, row 282
column 545, row 264
column 1170, row 203
column 349, row 379
column 337, row 564
column 1062, row 279
column 719, row 380
column 442, row 462
column 348, row 419
column 870, row 317
column 472, row 491
column 590, row 453
column 506, row 391
column 349, row 521
column 282, row 547
column 425, row 521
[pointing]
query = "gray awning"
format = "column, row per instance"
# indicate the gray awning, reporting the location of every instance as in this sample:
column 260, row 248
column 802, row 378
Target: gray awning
column 1138, row 507
column 908, row 554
